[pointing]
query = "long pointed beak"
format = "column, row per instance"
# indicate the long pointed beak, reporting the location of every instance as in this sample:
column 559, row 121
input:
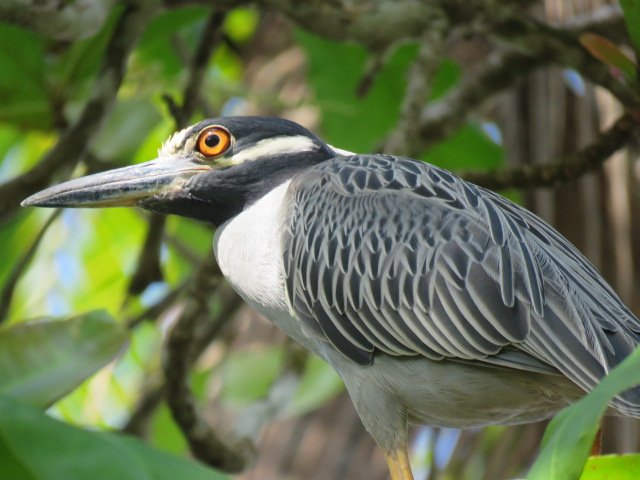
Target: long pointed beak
column 120, row 187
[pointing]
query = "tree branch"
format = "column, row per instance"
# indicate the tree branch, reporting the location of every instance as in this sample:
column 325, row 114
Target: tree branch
column 564, row 170
column 563, row 48
column 74, row 140
column 205, row 444
column 56, row 19
column 537, row 45
column 443, row 117
column 211, row 37
column 148, row 268
column 405, row 138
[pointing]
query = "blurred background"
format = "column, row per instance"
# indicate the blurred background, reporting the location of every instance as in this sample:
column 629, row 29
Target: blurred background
column 495, row 90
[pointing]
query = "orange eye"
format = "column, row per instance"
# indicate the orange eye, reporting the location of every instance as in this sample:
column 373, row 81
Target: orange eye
column 213, row 141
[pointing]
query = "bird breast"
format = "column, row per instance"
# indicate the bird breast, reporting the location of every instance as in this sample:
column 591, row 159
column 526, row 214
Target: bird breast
column 249, row 254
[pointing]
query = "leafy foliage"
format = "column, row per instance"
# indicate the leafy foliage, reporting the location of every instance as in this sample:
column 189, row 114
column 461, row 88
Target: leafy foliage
column 42, row 361
column 631, row 9
column 349, row 121
column 69, row 453
column 612, row 467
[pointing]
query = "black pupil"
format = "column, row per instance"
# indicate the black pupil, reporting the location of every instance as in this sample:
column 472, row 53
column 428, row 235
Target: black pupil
column 212, row 140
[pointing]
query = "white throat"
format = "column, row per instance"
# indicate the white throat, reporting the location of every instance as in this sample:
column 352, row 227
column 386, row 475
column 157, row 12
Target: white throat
column 249, row 253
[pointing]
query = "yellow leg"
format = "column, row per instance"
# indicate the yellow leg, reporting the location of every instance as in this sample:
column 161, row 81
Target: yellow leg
column 398, row 462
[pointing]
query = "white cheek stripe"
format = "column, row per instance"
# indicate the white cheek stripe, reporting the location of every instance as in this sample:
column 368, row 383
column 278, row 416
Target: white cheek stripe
column 274, row 146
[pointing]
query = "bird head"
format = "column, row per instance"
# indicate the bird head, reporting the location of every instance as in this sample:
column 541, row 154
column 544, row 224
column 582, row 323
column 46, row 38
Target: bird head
column 209, row 171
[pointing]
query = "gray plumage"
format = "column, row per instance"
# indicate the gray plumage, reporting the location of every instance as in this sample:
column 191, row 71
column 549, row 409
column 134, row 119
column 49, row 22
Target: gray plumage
column 386, row 254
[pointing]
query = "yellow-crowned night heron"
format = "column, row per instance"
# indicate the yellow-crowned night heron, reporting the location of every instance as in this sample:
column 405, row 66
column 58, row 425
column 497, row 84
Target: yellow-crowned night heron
column 436, row 301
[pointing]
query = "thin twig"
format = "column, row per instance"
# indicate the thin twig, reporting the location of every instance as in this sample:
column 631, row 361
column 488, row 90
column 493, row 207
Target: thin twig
column 146, row 406
column 157, row 308
column 371, row 71
column 19, row 268
column 566, row 169
column 183, row 249
column 211, row 38
column 148, row 268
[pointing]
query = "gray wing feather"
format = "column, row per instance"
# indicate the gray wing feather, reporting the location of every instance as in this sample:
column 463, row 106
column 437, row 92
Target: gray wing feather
column 389, row 254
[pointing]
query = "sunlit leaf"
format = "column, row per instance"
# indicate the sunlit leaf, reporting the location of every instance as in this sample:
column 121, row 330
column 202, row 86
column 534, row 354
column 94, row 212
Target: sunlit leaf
column 228, row 65
column 108, row 398
column 15, row 237
column 631, row 9
column 67, row 453
column 21, row 150
column 612, row 467
column 247, row 375
column 108, row 254
column 609, row 53
column 569, row 437
column 165, row 434
column 42, row 361
column 241, row 23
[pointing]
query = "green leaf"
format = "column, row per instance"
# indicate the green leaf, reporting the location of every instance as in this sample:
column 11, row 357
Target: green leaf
column 240, row 24
column 34, row 446
column 157, row 45
column 165, row 434
column 22, row 85
column 335, row 70
column 42, row 361
column 569, row 437
column 631, row 9
column 248, row 375
column 130, row 121
column 612, row 467
column 468, row 148
column 319, row 384
column 610, row 54
column 68, row 71
column 446, row 76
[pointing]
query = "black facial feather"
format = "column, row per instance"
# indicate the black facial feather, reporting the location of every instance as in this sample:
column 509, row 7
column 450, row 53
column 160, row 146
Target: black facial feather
column 230, row 190
column 222, row 193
